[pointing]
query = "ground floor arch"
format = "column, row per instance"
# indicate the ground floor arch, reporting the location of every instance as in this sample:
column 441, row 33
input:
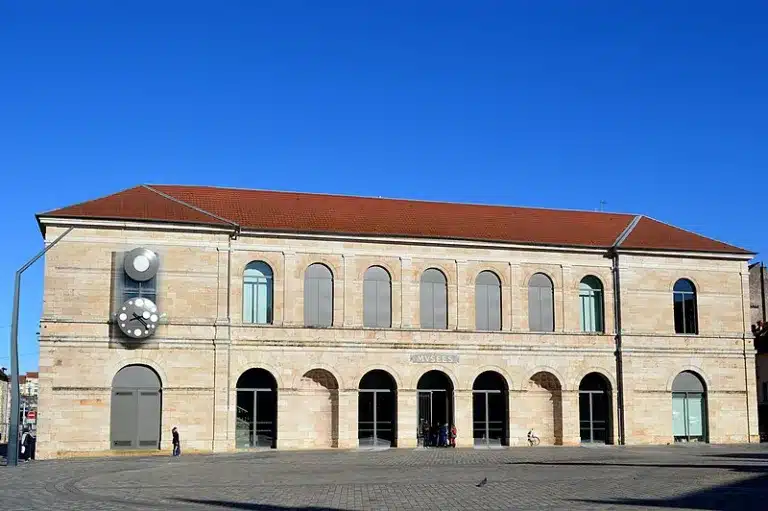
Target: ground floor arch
column 135, row 421
column 595, row 400
column 377, row 410
column 318, row 391
column 256, row 414
column 490, row 410
column 544, row 407
column 689, row 408
column 435, row 406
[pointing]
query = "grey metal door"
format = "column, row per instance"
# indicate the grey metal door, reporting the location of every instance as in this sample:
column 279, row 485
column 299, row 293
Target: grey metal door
column 124, row 425
column 135, row 409
column 135, row 419
column 148, row 419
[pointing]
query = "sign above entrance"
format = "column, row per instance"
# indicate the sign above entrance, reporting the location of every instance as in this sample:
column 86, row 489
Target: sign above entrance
column 434, row 358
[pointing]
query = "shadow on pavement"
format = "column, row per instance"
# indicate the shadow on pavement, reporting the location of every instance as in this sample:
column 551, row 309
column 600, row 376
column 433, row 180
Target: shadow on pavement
column 760, row 469
column 742, row 495
column 246, row 505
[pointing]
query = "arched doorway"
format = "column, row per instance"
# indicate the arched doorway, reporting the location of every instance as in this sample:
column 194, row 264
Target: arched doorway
column 135, row 409
column 689, row 408
column 595, row 409
column 435, row 391
column 490, row 411
column 321, row 410
column 256, row 422
column 544, row 398
column 377, row 410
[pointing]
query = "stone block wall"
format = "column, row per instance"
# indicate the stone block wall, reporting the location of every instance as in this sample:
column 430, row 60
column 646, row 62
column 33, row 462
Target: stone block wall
column 202, row 346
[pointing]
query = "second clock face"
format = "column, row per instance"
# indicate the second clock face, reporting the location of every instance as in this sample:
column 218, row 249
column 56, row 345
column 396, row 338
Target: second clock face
column 137, row 318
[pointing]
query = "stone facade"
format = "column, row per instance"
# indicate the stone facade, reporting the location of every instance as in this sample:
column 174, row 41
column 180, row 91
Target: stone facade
column 758, row 288
column 202, row 345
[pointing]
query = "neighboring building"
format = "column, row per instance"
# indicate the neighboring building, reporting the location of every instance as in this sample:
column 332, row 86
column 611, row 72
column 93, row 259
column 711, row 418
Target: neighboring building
column 758, row 289
column 29, row 389
column 252, row 318
column 5, row 405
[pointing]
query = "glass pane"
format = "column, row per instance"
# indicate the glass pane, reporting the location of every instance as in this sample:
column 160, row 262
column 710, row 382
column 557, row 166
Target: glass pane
column 585, row 423
column 369, row 303
column 248, row 303
column 478, row 415
column 598, row 308
column 678, row 415
column 261, row 303
column 384, row 416
column 696, row 415
column 689, row 306
column 679, row 314
column 426, row 303
column 600, row 417
column 266, row 412
column 497, row 416
column 547, row 311
column 325, row 302
column 440, row 296
column 383, row 304
column 365, row 416
column 494, row 308
column 481, row 307
column 534, row 309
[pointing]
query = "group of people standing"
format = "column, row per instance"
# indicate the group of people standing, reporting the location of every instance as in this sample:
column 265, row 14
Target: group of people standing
column 436, row 435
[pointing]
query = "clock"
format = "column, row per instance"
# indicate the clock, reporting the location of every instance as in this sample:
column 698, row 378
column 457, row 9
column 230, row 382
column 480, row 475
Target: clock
column 137, row 318
column 141, row 264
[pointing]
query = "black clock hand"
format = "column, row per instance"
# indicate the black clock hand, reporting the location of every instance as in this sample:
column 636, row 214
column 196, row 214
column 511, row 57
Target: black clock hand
column 136, row 316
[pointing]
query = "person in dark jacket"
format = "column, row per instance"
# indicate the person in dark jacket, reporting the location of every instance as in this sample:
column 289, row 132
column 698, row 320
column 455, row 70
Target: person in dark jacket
column 176, row 442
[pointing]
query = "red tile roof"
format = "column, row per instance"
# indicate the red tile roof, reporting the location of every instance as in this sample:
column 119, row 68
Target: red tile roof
column 336, row 214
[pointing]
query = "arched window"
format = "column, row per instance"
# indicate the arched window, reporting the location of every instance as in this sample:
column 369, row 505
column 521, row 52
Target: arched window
column 434, row 299
column 541, row 298
column 689, row 408
column 487, row 301
column 257, row 293
column 591, row 299
column 686, row 321
column 377, row 298
column 318, row 296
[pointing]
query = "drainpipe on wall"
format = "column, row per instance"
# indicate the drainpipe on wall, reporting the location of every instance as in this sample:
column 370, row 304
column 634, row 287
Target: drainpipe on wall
column 619, row 353
column 613, row 252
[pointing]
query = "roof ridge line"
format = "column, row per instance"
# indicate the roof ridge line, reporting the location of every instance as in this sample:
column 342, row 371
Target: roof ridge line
column 699, row 235
column 191, row 206
column 397, row 199
column 627, row 231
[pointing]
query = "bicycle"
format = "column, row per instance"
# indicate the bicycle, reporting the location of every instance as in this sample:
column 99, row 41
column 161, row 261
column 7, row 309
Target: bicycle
column 533, row 440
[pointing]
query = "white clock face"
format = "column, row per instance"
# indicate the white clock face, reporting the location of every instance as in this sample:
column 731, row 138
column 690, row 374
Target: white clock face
column 141, row 264
column 138, row 318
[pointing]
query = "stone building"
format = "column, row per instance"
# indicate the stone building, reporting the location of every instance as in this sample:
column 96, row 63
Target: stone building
column 5, row 405
column 758, row 290
column 255, row 319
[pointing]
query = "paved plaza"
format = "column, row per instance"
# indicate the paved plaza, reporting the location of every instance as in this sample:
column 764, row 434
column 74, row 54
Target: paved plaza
column 674, row 477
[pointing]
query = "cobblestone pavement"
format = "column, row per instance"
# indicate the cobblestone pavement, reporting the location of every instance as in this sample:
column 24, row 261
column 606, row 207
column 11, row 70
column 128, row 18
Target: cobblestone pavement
column 676, row 477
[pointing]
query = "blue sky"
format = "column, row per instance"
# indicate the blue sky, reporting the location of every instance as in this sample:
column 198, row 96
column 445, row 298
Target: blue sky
column 657, row 108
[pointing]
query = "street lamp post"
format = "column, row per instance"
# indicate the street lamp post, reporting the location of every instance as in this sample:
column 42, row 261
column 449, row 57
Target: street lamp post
column 13, row 432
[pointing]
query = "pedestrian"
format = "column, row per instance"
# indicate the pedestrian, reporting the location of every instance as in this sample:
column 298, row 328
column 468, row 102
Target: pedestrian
column 453, row 435
column 176, row 442
column 26, row 445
